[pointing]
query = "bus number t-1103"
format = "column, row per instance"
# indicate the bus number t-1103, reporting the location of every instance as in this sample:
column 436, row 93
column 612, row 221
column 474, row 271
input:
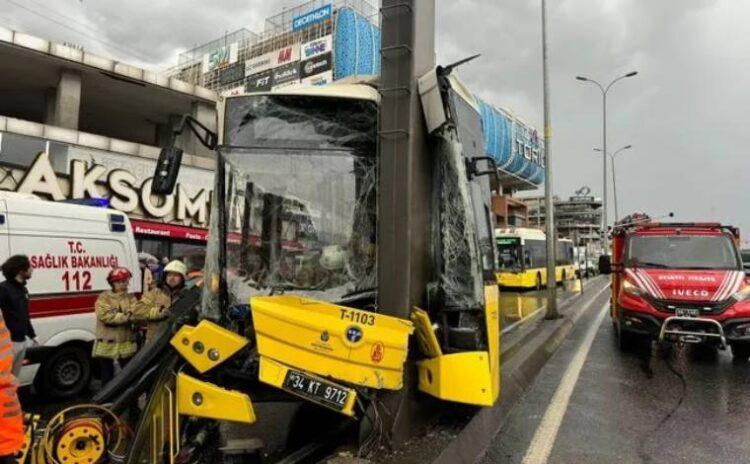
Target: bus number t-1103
column 77, row 280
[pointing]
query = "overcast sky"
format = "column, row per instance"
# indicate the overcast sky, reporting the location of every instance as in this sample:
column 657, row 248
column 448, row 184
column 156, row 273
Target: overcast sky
column 685, row 113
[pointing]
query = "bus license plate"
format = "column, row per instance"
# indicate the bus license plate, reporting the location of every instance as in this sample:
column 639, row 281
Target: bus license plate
column 316, row 390
column 687, row 312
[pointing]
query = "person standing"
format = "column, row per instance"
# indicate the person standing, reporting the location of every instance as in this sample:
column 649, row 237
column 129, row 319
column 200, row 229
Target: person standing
column 155, row 304
column 14, row 303
column 11, row 417
column 115, row 338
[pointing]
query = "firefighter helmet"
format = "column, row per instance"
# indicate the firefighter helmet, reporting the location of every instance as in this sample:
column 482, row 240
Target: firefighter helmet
column 118, row 274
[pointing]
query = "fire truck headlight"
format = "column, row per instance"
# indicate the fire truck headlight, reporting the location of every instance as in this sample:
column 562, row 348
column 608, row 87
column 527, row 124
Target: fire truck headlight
column 742, row 294
column 632, row 289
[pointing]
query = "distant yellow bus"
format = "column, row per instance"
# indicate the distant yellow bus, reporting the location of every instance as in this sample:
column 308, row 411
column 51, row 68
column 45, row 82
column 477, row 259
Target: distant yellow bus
column 522, row 258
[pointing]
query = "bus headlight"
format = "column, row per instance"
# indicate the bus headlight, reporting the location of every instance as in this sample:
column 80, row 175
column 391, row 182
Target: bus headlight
column 632, row 289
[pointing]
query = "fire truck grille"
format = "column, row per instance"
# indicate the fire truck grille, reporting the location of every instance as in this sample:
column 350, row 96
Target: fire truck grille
column 705, row 307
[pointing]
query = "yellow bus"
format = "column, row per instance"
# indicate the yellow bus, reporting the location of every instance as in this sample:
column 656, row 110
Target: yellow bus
column 522, row 255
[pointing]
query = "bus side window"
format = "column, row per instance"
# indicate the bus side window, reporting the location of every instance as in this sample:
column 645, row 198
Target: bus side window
column 527, row 257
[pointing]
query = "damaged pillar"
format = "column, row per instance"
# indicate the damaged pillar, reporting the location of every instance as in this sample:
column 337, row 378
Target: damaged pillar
column 405, row 185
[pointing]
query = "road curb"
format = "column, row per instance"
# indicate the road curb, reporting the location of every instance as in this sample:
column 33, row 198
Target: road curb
column 518, row 372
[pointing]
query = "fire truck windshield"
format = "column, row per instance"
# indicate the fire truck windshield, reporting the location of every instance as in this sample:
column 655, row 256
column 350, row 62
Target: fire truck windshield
column 300, row 198
column 682, row 252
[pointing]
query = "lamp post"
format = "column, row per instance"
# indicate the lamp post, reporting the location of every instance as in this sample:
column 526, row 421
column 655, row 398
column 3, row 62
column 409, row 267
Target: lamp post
column 605, row 90
column 612, row 156
column 551, row 312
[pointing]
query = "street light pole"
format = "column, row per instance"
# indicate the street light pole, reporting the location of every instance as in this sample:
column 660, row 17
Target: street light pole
column 605, row 90
column 614, row 176
column 551, row 312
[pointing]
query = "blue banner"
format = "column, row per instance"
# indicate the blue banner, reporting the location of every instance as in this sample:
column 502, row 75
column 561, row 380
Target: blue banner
column 313, row 17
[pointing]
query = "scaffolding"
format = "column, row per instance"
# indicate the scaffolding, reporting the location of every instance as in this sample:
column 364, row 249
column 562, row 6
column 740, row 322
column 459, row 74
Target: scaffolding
column 277, row 34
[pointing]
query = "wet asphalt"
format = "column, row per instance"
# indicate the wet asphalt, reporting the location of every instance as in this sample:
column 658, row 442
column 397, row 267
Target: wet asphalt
column 653, row 405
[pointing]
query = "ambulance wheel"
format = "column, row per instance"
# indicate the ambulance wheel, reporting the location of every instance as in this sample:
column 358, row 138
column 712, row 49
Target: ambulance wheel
column 740, row 351
column 66, row 373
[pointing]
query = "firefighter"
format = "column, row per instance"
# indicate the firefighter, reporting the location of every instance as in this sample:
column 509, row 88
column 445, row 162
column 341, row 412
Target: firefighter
column 155, row 304
column 115, row 338
column 11, row 418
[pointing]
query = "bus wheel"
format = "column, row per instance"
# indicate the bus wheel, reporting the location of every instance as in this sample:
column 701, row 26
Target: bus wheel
column 538, row 281
column 66, row 373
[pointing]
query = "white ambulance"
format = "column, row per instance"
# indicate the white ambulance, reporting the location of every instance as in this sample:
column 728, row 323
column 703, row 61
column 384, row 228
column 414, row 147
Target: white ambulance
column 72, row 248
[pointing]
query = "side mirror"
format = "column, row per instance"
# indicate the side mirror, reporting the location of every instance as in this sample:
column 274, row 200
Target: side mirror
column 605, row 264
column 167, row 168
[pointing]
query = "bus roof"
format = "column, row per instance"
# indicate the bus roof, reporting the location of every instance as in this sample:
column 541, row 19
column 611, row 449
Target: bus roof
column 360, row 90
column 520, row 232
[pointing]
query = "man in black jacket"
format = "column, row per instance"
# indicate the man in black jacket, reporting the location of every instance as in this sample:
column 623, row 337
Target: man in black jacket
column 14, row 303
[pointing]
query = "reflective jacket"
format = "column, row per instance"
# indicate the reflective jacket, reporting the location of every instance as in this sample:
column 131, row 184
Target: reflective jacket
column 11, row 417
column 115, row 338
column 154, row 308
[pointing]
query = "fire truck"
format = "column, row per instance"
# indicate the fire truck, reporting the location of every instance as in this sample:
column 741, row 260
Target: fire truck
column 680, row 283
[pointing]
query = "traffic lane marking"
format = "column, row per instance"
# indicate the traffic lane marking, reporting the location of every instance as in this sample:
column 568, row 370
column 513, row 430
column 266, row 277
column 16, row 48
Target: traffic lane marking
column 546, row 433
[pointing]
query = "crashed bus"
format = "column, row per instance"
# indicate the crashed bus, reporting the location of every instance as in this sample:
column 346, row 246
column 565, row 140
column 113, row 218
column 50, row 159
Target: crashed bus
column 289, row 306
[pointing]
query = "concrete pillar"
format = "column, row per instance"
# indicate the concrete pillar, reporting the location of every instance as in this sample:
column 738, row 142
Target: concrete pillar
column 49, row 105
column 68, row 100
column 205, row 113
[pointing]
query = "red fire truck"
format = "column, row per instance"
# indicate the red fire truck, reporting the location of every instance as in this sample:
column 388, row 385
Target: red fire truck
column 678, row 282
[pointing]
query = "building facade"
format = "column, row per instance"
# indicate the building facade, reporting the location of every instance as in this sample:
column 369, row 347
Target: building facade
column 310, row 44
column 74, row 125
column 577, row 218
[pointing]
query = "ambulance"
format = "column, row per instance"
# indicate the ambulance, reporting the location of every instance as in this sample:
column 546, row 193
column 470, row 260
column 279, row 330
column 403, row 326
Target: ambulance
column 72, row 247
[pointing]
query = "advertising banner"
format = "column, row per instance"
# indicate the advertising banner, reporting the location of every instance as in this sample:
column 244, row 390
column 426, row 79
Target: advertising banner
column 315, row 16
column 285, row 84
column 319, row 79
column 239, row 90
column 286, row 73
column 286, row 55
column 316, row 65
column 221, row 57
column 260, row 63
column 232, row 73
column 259, row 82
column 316, row 47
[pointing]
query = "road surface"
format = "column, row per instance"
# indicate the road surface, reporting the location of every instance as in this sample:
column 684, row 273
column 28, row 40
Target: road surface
column 592, row 403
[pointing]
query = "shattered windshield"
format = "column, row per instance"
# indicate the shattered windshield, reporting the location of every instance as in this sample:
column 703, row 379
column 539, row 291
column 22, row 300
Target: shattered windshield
column 300, row 202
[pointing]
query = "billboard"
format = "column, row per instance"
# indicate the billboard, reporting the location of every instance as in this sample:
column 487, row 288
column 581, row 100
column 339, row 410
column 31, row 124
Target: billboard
column 316, row 47
column 221, row 57
column 316, row 65
column 319, row 79
column 259, row 82
column 260, row 63
column 232, row 73
column 288, row 72
column 285, row 55
column 313, row 17
column 285, row 84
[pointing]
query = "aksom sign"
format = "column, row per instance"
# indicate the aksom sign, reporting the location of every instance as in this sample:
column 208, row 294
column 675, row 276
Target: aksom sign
column 124, row 191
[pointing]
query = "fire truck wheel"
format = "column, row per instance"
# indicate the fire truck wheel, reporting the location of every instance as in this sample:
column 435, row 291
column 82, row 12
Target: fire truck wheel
column 626, row 341
column 66, row 373
column 741, row 351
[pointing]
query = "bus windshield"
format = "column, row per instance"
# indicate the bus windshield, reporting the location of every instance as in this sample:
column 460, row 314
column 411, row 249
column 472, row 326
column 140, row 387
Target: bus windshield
column 300, row 206
column 509, row 253
column 682, row 252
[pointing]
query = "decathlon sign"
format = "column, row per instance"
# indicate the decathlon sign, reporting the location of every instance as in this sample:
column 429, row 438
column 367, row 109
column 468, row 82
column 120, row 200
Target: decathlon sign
column 313, row 17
